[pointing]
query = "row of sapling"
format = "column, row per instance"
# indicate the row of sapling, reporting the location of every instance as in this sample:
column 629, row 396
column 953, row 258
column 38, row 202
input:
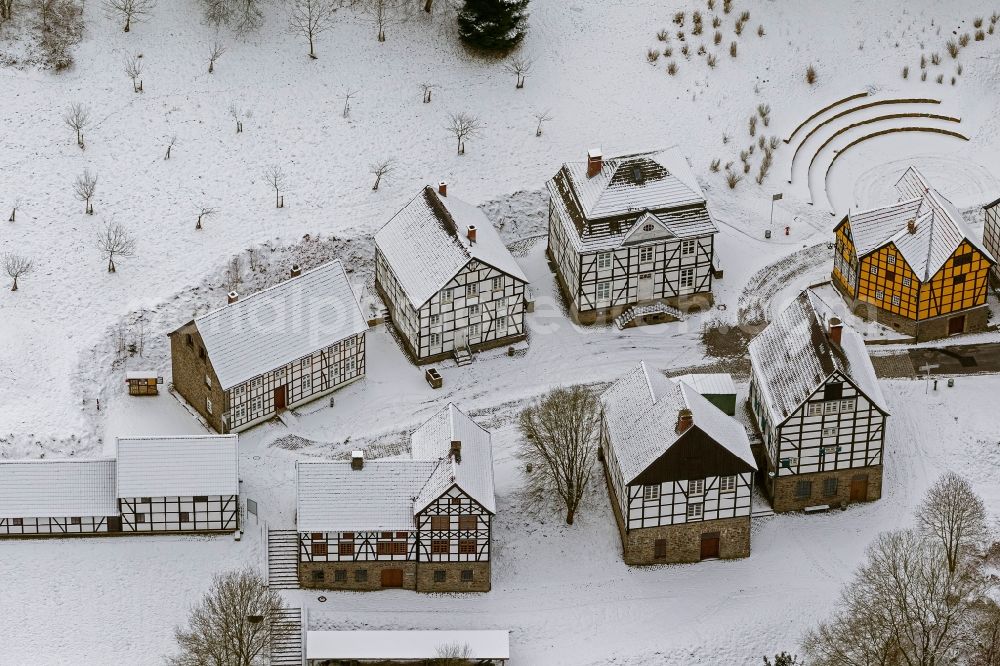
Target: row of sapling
column 380, row 170
column 274, row 175
column 77, row 117
column 310, row 18
column 115, row 241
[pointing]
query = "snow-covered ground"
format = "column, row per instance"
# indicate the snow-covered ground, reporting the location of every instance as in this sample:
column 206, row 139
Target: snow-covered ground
column 563, row 591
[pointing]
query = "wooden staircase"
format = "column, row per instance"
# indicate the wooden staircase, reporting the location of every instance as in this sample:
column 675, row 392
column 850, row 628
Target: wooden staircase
column 657, row 311
column 463, row 355
column 282, row 559
column 286, row 638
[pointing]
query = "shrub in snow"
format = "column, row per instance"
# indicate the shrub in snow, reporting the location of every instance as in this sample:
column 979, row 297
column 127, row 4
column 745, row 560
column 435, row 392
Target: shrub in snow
column 493, row 25
column 811, row 75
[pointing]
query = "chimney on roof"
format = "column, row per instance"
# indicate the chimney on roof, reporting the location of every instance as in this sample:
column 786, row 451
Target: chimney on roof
column 232, row 297
column 357, row 460
column 472, row 233
column 296, row 270
column 443, row 188
column 456, row 450
column 911, row 226
column 595, row 162
column 685, row 419
column 836, row 330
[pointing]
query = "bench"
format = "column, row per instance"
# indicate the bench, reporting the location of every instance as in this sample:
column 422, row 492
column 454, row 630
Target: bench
column 818, row 508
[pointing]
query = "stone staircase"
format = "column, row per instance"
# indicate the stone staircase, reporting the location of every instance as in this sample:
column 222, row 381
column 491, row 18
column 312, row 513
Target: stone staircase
column 282, row 559
column 286, row 638
column 463, row 355
column 640, row 312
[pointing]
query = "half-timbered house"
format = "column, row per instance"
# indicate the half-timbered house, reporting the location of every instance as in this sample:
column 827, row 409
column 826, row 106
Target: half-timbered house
column 913, row 265
column 819, row 408
column 51, row 497
column 279, row 348
column 449, row 283
column 178, row 484
column 991, row 235
column 679, row 471
column 422, row 523
column 631, row 229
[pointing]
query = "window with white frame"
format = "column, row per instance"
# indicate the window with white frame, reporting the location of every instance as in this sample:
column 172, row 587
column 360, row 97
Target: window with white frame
column 472, row 289
column 650, row 493
column 502, row 325
column 688, row 247
column 695, row 510
column 446, row 296
column 873, row 270
column 906, row 282
column 727, row 484
column 435, row 320
column 646, row 253
column 848, row 405
column 350, row 342
column 648, row 226
column 352, row 364
column 696, row 487
column 434, row 339
column 474, row 330
column 687, row 278
column 604, row 260
column 891, row 259
column 208, row 381
column 208, row 405
column 895, row 299
column 603, row 291
column 474, row 309
column 879, row 295
column 815, row 409
column 241, row 412
column 831, row 407
column 257, row 404
column 830, row 432
column 497, row 283
column 240, row 390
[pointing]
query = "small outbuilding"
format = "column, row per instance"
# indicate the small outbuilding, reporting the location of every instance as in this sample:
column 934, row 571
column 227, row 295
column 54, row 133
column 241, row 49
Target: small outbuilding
column 143, row 382
column 403, row 647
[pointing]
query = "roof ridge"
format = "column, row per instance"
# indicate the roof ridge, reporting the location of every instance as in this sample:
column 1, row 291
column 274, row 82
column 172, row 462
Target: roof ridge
column 649, row 382
column 31, row 461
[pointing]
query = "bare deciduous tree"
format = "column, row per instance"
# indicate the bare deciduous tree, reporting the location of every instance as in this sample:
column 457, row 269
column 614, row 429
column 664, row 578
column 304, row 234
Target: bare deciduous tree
column 218, row 48
column 6, row 10
column 17, row 266
column 115, row 240
column 62, row 26
column 239, row 114
column 309, row 18
column 204, row 211
column 241, row 16
column 13, row 210
column 984, row 643
column 234, row 273
column 253, row 257
column 379, row 170
column 171, row 142
column 452, row 654
column 129, row 10
column 275, row 177
column 133, row 70
column 561, row 434
column 382, row 13
column 463, row 126
column 232, row 625
column 428, row 88
column 541, row 117
column 84, row 188
column 520, row 66
column 78, row 118
column 954, row 515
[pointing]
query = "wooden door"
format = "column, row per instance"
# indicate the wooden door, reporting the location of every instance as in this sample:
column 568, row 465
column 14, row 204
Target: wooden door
column 859, row 488
column 956, row 325
column 645, row 287
column 279, row 398
column 114, row 524
column 709, row 545
column 392, row 578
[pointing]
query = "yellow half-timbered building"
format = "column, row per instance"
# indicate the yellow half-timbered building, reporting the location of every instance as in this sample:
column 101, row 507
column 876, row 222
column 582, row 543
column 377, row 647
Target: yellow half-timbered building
column 913, row 265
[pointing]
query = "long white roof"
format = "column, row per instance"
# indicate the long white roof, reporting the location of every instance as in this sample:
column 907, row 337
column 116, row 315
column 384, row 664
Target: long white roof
column 280, row 324
column 49, row 488
column 405, row 645
column 641, row 411
column 426, row 244
column 178, row 466
column 793, row 355
column 939, row 227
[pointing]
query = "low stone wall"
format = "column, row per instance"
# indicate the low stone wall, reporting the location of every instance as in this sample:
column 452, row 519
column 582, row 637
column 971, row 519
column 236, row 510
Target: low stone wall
column 453, row 577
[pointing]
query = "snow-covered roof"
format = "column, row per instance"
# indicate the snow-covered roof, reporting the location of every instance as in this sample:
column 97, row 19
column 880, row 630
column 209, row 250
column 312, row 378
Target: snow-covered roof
column 641, row 411
column 793, row 356
column 178, row 466
column 719, row 383
column 141, row 374
column 426, row 244
column 48, row 488
column 472, row 472
column 939, row 227
column 409, row 645
column 280, row 324
column 332, row 496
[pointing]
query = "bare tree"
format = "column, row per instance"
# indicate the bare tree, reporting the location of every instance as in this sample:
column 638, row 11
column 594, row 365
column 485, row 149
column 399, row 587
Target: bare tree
column 78, row 119
column 16, row 266
column 6, row 11
column 204, row 211
column 984, row 644
column 428, row 88
column 218, row 48
column 348, row 95
column 133, row 70
column 241, row 16
column 171, row 142
column 13, row 210
column 253, row 258
column 115, row 240
column 309, row 18
column 452, row 654
column 84, row 188
column 382, row 13
column 239, row 115
column 561, row 434
column 234, row 273
column 233, row 624
column 954, row 515
column 541, row 117
column 62, row 26
column 463, row 126
column 129, row 10
column 520, row 66
column 275, row 177
column 379, row 170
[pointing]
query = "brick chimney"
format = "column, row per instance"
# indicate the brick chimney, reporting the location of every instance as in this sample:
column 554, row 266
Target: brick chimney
column 472, row 233
column 595, row 162
column 456, row 450
column 911, row 226
column 232, row 297
column 296, row 270
column 685, row 419
column 357, row 460
column 443, row 188
column 836, row 330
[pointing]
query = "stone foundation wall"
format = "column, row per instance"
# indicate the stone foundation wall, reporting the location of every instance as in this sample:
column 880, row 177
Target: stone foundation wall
column 374, row 569
column 453, row 577
column 782, row 489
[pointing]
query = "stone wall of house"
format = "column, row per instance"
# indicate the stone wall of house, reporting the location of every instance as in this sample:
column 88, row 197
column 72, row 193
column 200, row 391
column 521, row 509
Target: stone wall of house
column 308, row 579
column 453, row 577
column 189, row 371
column 784, row 489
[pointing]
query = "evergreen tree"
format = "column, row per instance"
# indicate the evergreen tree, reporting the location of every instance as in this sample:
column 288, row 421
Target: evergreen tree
column 493, row 24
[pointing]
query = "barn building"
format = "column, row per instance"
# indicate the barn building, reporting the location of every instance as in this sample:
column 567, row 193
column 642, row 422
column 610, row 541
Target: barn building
column 819, row 408
column 914, row 265
column 449, row 283
column 422, row 523
column 50, row 497
column 679, row 471
column 630, row 230
column 276, row 349
column 178, row 484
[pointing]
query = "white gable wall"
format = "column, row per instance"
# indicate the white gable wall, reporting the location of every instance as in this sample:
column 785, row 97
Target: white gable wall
column 669, row 502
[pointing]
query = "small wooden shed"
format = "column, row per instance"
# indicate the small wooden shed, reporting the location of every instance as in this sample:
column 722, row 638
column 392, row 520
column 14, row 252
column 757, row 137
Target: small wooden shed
column 143, row 382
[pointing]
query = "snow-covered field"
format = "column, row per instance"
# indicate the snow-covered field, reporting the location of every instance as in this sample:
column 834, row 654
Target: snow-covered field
column 563, row 592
